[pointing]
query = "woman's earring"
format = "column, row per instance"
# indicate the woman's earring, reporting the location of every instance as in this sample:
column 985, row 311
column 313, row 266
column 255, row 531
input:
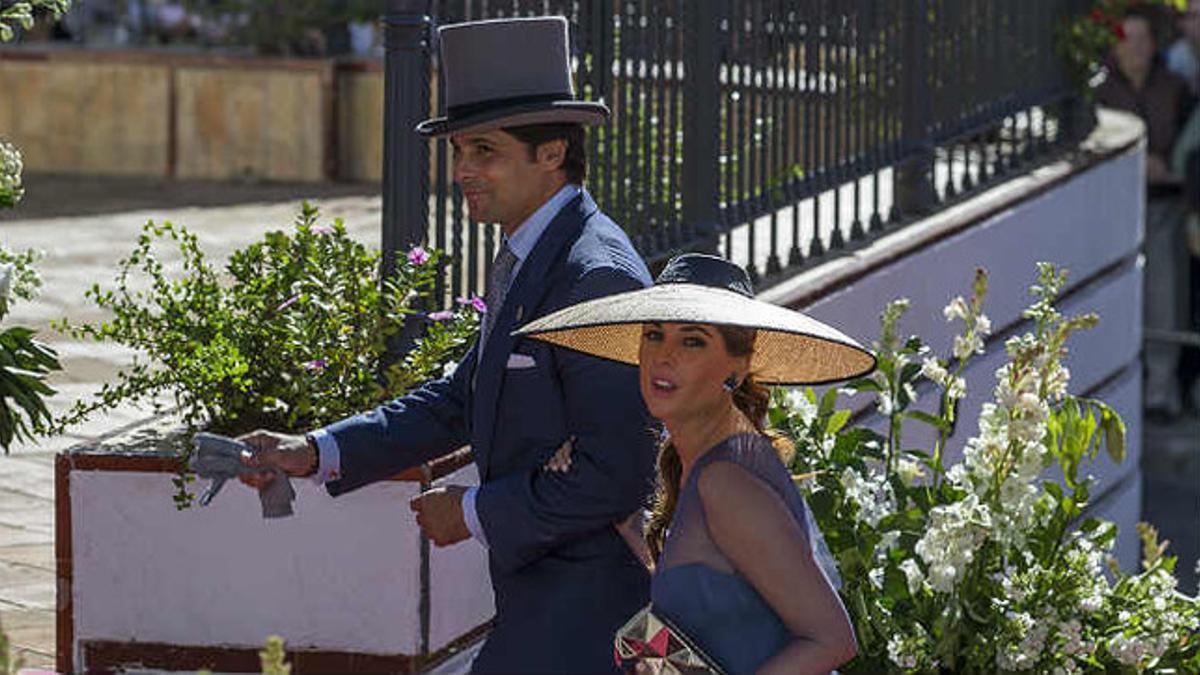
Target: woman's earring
column 730, row 383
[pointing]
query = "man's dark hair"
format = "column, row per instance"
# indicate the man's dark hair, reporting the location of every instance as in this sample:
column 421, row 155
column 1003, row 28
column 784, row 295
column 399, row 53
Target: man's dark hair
column 574, row 161
column 1146, row 14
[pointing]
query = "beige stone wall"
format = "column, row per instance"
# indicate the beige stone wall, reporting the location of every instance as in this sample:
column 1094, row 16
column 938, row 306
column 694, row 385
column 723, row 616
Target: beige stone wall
column 207, row 117
column 79, row 117
column 360, row 125
column 257, row 123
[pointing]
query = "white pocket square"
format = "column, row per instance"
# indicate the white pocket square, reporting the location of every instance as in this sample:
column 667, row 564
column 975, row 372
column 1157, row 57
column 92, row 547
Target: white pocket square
column 520, row 361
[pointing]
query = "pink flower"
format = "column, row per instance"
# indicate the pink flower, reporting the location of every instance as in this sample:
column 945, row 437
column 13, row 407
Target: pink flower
column 322, row 229
column 418, row 256
column 474, row 302
column 287, row 303
column 444, row 315
column 314, row 365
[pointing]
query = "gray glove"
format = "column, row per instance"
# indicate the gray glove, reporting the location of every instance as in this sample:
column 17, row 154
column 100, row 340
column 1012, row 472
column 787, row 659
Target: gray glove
column 218, row 458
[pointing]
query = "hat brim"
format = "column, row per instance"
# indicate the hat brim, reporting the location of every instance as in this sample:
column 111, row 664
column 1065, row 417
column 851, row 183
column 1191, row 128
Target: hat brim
column 790, row 348
column 587, row 113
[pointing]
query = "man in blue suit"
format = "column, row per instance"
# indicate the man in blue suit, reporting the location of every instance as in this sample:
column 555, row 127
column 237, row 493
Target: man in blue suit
column 564, row 579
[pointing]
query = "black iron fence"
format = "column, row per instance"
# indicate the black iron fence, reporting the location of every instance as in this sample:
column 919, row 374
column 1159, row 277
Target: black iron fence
column 777, row 132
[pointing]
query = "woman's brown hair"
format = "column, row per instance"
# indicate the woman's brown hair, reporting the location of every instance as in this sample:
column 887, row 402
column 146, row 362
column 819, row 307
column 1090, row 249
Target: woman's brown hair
column 752, row 399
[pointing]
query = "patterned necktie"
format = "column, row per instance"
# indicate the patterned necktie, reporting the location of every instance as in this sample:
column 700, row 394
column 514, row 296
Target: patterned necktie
column 498, row 282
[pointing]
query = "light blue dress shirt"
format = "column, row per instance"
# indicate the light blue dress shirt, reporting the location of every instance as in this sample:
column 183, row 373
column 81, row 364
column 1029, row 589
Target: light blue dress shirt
column 522, row 243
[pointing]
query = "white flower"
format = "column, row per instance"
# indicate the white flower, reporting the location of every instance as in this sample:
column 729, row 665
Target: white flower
column 899, row 653
column 912, row 572
column 6, row 274
column 806, row 409
column 886, row 404
column 876, row 577
column 909, row 471
column 957, row 309
column 871, row 496
column 888, row 541
column 1128, row 651
column 448, row 368
column 827, row 445
column 983, row 325
column 965, row 346
column 957, row 389
column 933, row 370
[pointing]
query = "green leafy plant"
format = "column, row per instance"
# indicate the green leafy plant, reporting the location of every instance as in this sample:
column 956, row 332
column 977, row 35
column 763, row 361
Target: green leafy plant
column 21, row 14
column 24, row 362
column 10, row 662
column 294, row 334
column 273, row 657
column 986, row 565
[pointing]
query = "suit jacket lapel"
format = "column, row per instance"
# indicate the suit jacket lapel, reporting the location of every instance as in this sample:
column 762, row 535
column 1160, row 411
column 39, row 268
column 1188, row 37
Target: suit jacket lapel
column 523, row 297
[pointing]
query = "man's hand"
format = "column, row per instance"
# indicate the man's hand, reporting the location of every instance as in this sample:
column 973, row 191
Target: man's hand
column 291, row 454
column 440, row 516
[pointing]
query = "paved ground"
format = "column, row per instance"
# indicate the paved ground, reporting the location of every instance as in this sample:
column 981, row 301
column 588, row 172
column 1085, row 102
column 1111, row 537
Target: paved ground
column 82, row 249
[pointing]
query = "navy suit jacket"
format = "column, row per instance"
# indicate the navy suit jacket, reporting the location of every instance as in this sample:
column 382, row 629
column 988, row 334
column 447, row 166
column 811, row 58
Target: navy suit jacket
column 564, row 580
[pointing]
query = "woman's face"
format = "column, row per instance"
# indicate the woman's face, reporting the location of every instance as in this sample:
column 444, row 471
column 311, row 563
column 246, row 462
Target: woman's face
column 682, row 367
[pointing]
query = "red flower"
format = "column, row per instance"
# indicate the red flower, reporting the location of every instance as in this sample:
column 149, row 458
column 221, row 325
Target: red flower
column 1118, row 30
column 1097, row 16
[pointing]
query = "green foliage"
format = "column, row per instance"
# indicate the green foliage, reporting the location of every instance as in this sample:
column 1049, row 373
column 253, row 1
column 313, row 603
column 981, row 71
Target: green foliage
column 983, row 566
column 10, row 663
column 293, row 335
column 273, row 657
column 22, row 14
column 24, row 362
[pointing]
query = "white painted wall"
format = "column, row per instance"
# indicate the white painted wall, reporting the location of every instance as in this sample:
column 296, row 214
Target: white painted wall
column 1086, row 225
column 342, row 574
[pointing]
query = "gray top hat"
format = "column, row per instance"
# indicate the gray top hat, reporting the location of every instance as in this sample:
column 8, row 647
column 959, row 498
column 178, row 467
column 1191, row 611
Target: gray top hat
column 508, row 72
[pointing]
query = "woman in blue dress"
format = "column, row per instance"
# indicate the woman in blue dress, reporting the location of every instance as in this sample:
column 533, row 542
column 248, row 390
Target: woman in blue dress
column 735, row 573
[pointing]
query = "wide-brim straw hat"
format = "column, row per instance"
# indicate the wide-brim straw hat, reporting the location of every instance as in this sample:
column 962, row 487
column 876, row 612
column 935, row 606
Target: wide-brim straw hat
column 789, row 349
column 506, row 73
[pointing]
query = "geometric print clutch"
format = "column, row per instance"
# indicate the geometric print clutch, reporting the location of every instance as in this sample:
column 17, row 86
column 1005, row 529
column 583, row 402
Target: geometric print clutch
column 665, row 649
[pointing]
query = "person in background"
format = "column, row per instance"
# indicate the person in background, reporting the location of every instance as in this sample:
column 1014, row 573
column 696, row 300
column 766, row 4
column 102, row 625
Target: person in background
column 1138, row 81
column 1183, row 56
column 1185, row 162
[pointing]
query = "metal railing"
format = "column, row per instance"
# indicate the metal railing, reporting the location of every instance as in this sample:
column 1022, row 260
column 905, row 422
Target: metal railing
column 777, row 132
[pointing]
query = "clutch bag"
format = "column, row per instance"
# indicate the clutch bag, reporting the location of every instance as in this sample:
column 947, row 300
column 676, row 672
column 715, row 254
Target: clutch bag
column 660, row 646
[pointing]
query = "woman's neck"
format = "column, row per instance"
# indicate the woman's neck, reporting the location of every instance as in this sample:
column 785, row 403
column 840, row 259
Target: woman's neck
column 694, row 436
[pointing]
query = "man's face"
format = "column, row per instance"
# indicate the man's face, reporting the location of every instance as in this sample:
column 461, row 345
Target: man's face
column 1136, row 51
column 499, row 181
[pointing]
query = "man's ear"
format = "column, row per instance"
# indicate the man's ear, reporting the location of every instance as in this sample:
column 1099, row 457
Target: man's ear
column 552, row 154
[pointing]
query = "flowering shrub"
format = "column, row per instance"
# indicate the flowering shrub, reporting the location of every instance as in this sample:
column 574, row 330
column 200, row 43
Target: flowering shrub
column 983, row 567
column 24, row 362
column 13, row 14
column 296, row 333
column 1086, row 41
column 10, row 176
